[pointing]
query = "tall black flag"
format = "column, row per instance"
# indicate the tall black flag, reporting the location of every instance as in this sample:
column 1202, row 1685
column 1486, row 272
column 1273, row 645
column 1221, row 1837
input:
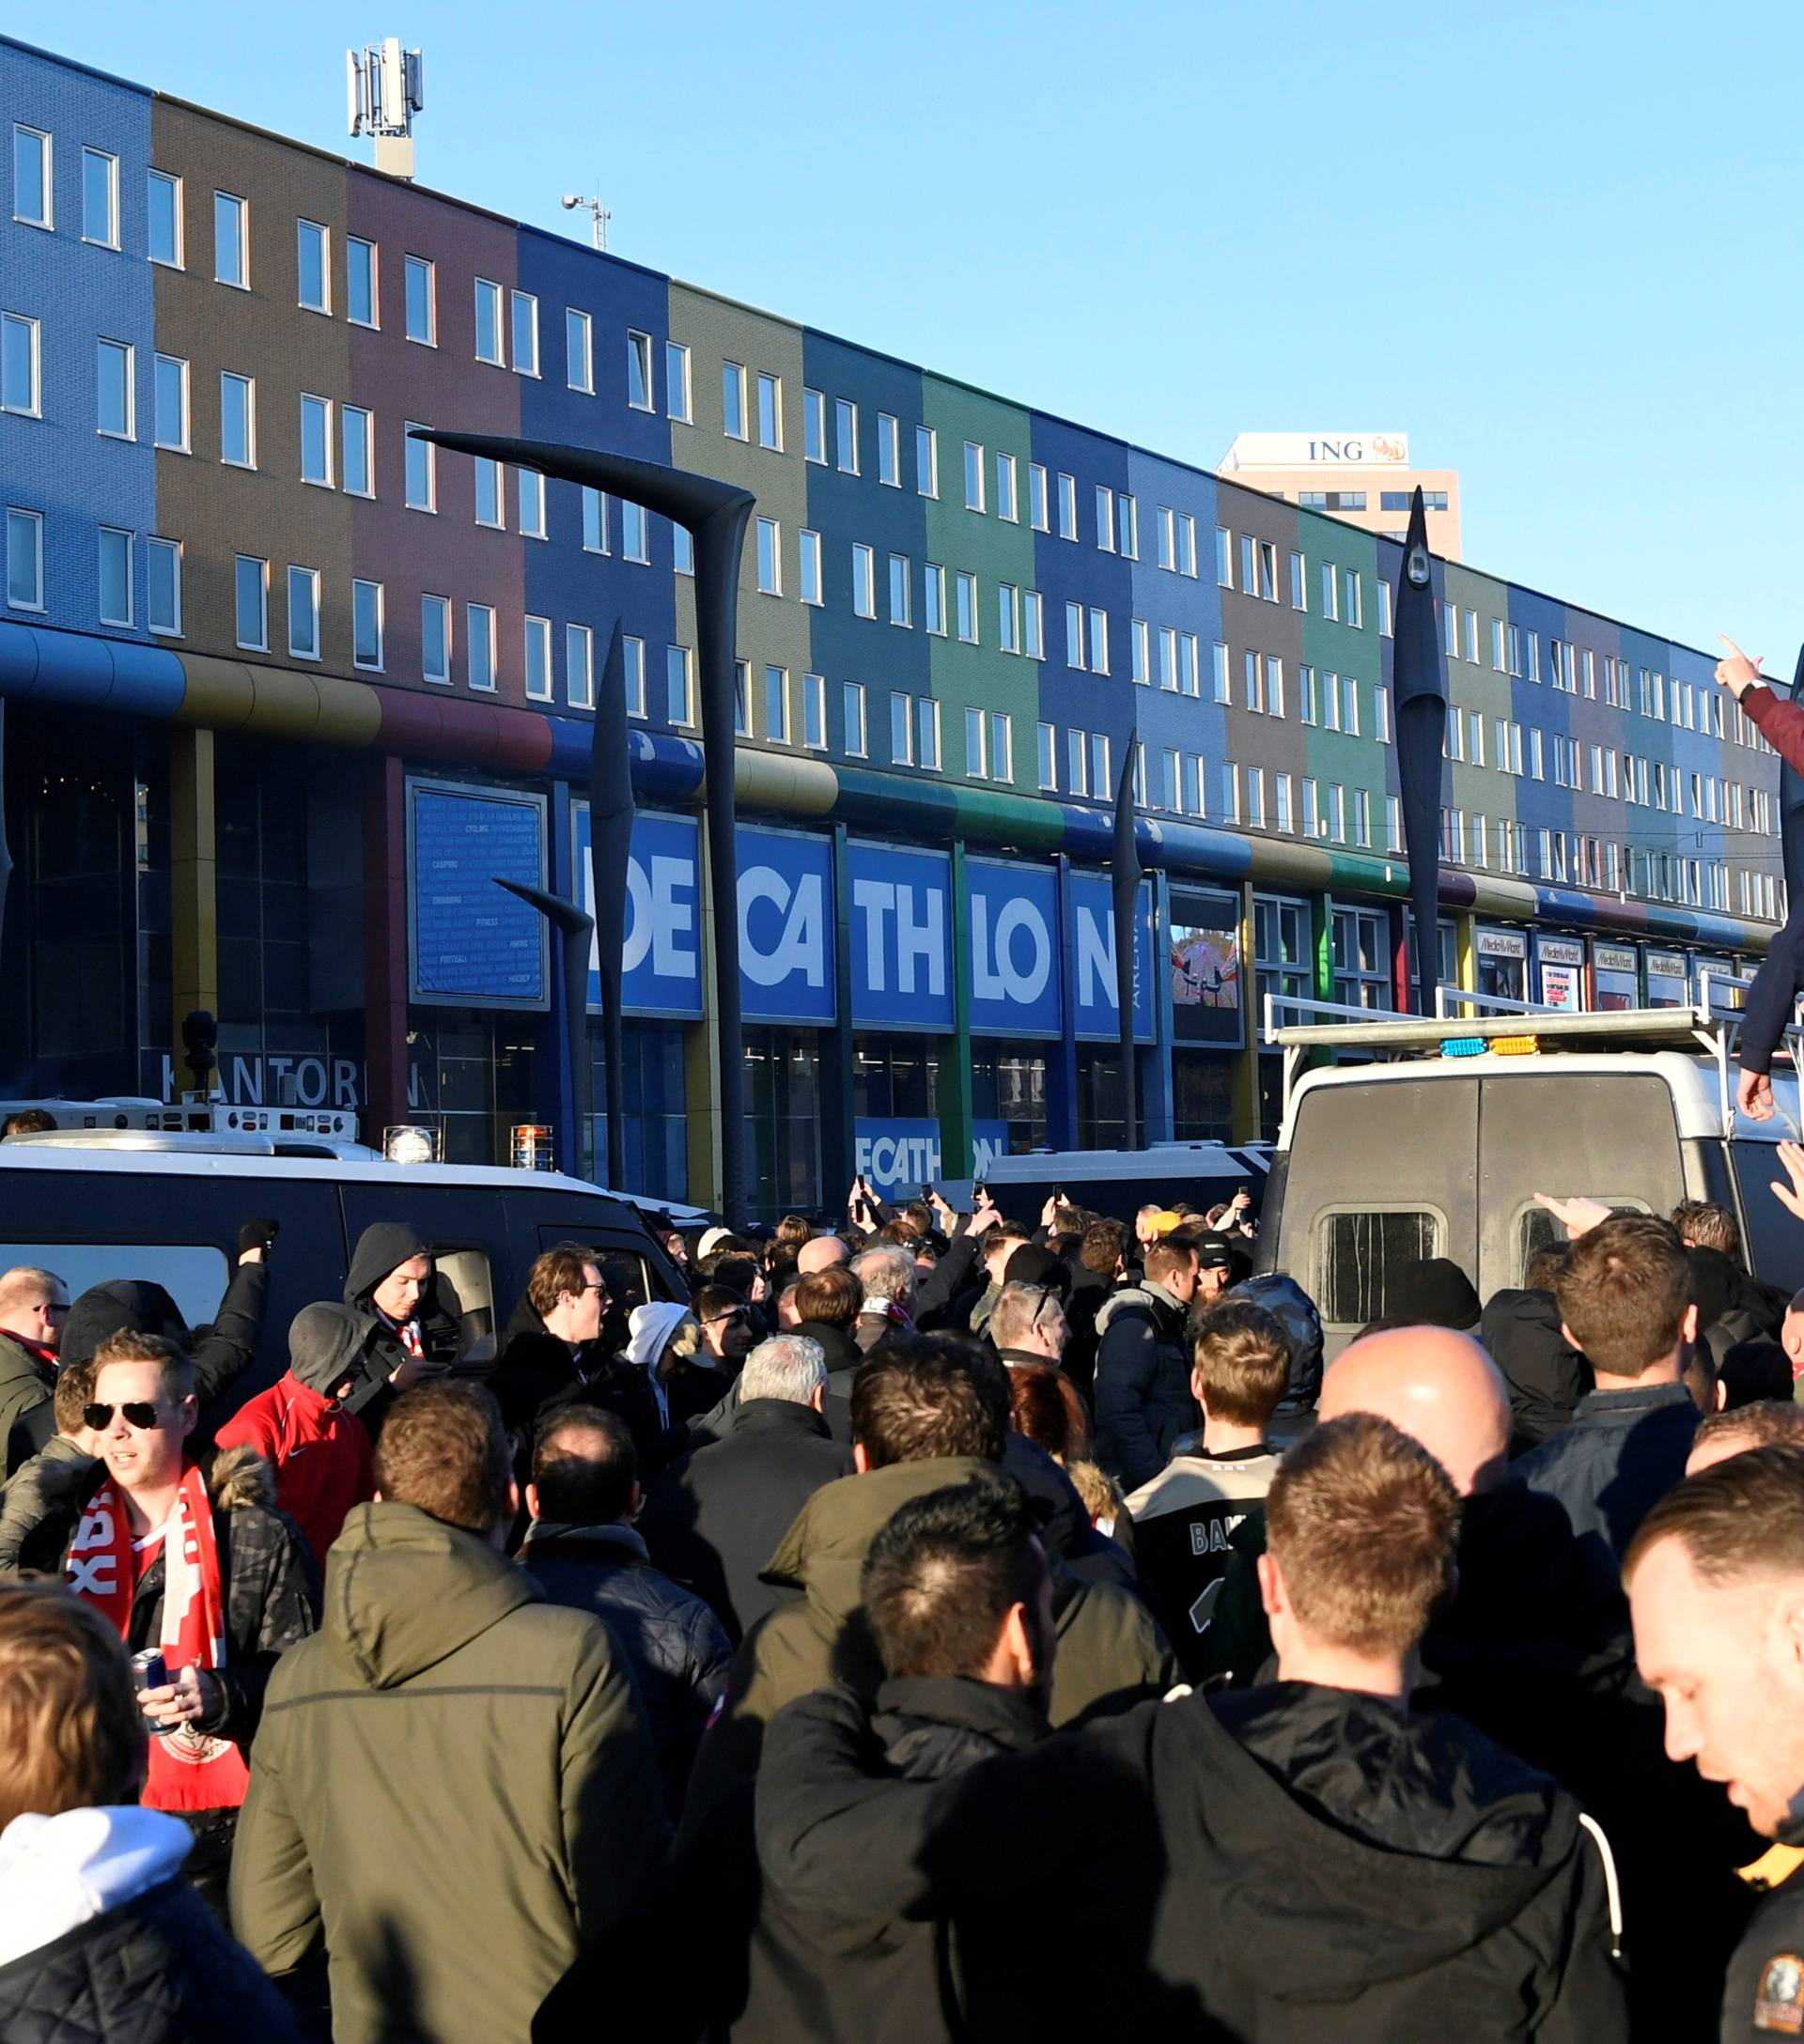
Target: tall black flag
column 611, row 814
column 1419, row 689
column 1124, row 865
column 716, row 513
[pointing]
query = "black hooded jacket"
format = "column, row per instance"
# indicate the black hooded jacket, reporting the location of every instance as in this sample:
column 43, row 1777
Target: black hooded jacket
column 1287, row 1865
column 374, row 1347
column 219, row 1354
column 1546, row 1376
column 538, row 1372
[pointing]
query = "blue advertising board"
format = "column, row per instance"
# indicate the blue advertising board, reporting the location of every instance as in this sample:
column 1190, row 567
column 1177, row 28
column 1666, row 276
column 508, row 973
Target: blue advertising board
column 470, row 942
column 899, row 1155
column 662, row 963
column 901, row 927
column 1092, row 965
column 1016, row 980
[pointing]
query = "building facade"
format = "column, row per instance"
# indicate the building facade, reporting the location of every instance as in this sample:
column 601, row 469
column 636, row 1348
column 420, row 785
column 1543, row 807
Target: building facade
column 1364, row 478
column 286, row 691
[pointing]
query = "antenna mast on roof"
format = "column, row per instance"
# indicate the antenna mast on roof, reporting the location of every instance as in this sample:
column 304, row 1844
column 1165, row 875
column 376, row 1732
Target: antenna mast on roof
column 384, row 89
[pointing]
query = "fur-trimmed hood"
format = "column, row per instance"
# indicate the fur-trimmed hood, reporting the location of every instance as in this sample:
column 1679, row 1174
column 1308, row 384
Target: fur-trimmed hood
column 238, row 1476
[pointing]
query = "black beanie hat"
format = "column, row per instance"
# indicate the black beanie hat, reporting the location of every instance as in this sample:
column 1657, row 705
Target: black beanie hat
column 1432, row 1292
column 1033, row 1265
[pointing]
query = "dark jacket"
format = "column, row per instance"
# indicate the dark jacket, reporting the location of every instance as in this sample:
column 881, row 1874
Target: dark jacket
column 838, row 1978
column 155, row 1970
column 1287, row 1865
column 538, row 1372
column 375, row 1348
column 1546, row 1376
column 42, row 1503
column 453, row 1786
column 936, row 1293
column 1620, row 1456
column 715, row 1519
column 678, row 1648
column 1144, row 1400
column 1090, row 1291
column 219, row 1353
column 1763, row 1993
column 26, row 1418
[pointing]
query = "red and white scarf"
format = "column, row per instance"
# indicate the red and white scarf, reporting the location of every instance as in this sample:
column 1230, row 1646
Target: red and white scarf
column 188, row 1770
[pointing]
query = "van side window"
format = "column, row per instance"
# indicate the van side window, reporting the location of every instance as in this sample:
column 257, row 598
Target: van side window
column 1354, row 1251
column 1772, row 1239
column 194, row 1274
column 1536, row 1229
column 467, row 1271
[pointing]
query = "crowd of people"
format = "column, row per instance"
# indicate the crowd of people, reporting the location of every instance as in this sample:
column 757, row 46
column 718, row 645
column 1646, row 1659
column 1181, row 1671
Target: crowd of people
column 945, row 1624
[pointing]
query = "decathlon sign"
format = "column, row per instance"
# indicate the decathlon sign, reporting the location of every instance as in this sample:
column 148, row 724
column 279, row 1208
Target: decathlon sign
column 1095, row 1013
column 901, row 937
column 1016, row 975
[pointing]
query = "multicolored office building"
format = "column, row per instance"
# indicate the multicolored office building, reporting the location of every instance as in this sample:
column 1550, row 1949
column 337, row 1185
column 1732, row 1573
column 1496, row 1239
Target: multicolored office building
column 285, row 692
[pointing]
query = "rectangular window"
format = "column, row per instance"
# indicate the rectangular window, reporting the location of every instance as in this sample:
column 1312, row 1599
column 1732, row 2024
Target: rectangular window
column 1002, row 746
column 1230, row 792
column 316, row 439
column 1223, row 691
column 1077, row 762
column 303, row 613
column 25, row 559
column 1363, row 818
column 358, row 448
column 632, row 663
column 676, row 400
column 926, row 734
column 163, row 586
column 172, row 403
column 1105, row 518
column 1008, row 628
column 901, row 582
column 1337, row 813
column 579, row 667
column 489, row 343
column 813, row 712
column 810, row 590
column 776, row 704
column 902, row 730
column 1032, row 626
column 864, row 580
column 594, row 521
column 1006, row 506
column 1166, row 542
column 1186, row 544
column 1381, row 714
column 435, row 638
column 974, row 744
column 1098, row 642
column 1127, row 526
column 1306, row 695
column 1068, row 506
column 1102, row 783
column 770, row 563
column 1223, row 558
column 1353, row 604
column 1384, row 609
column 422, row 301
column 639, row 395
column 1351, row 711
column 1330, row 592
column 231, row 241
column 933, row 617
column 361, row 302
column 21, row 356
column 1267, row 572
column 889, row 451
column 1049, row 746
column 31, row 179
column 489, row 493
column 1298, row 584
column 770, row 412
column 313, row 266
column 366, row 623
column 968, row 607
column 537, row 653
column 479, row 656
column 973, row 476
column 1257, row 797
column 1171, row 793
column 926, row 461
column 1249, row 574
column 1190, row 664
column 732, row 400
column 529, row 498
column 422, row 474
column 1074, row 635
column 845, row 435
column 526, row 333
column 1140, row 661
column 116, row 406
column 635, row 533
column 813, row 426
column 251, row 595
column 851, row 704
column 163, row 207
column 578, row 351
column 99, row 198
column 1282, row 818
column 1036, row 507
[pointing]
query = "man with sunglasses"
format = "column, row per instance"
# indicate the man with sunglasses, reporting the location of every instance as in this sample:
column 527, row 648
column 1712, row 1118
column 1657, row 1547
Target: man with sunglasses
column 195, row 1564
column 728, row 1336
column 1027, row 1325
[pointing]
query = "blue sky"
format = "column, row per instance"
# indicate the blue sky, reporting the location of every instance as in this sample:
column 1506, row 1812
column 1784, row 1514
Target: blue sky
column 1558, row 244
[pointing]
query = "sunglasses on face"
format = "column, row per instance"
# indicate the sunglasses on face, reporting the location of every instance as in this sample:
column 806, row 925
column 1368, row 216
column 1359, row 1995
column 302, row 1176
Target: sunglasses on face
column 726, row 1320
column 139, row 1413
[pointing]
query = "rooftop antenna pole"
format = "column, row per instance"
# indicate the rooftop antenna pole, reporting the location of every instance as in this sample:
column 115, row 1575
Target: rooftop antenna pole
column 384, row 89
column 598, row 218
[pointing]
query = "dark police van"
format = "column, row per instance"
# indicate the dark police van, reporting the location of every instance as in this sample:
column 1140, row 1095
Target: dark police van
column 98, row 1203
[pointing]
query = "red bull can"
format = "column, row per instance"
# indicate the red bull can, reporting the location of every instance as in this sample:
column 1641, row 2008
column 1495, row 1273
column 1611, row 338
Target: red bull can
column 149, row 1671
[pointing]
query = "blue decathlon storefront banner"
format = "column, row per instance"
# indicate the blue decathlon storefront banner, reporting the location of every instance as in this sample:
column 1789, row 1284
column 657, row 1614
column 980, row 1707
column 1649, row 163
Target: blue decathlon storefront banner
column 1015, row 980
column 900, row 1155
column 785, row 926
column 662, row 960
column 901, row 935
column 1092, row 965
column 471, row 943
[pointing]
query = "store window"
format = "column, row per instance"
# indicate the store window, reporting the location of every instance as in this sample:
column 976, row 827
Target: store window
column 782, row 1106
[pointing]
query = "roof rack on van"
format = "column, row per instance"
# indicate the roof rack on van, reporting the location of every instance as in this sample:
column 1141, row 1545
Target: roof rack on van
column 1383, row 1032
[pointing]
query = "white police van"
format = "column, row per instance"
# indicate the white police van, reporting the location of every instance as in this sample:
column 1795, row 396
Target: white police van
column 1431, row 1137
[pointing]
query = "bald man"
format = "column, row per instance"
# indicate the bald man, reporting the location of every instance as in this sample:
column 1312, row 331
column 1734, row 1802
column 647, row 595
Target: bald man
column 822, row 1253
column 1440, row 1388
